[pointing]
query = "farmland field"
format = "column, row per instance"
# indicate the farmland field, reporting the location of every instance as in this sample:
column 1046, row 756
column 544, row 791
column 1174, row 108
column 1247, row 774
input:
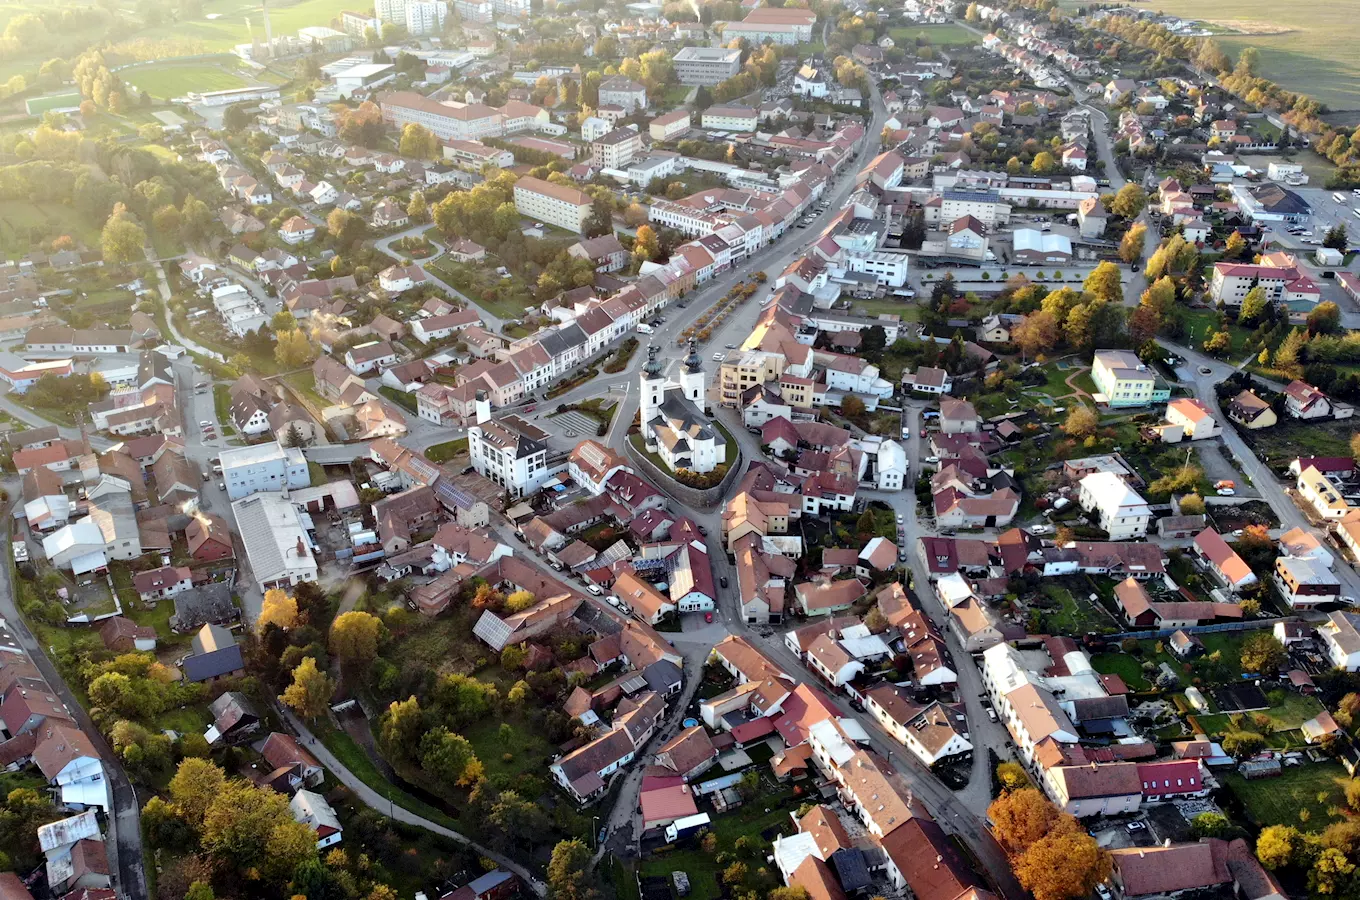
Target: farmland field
column 939, row 35
column 166, row 80
column 1313, row 53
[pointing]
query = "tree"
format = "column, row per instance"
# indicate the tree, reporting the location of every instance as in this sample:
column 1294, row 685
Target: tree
column 1043, row 163
column 449, row 757
column 355, row 635
column 1332, row 870
column 1020, row 818
column 1218, row 343
column 278, row 608
column 1255, row 308
column 196, row 784
column 344, row 227
column 282, row 321
column 248, row 828
column 311, row 690
column 1131, row 245
column 1081, row 421
column 1063, row 864
column 1325, row 318
column 1129, row 202
column 1211, row 825
column 1355, row 446
column 1288, row 354
column 646, row 246
column 121, row 241
column 1275, row 845
column 1192, row 505
column 852, row 407
column 200, row 890
column 635, row 215
column 568, row 878
column 1011, row 775
column 418, row 142
column 1037, row 333
column 1335, row 238
column 1105, row 282
column 292, row 349
column 416, row 208
column 519, row 601
column 1236, row 246
column 1262, row 653
column 167, row 220
column 1241, row 744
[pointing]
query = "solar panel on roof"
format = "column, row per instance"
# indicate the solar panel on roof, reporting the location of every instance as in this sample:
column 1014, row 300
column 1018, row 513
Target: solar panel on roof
column 424, row 469
column 633, row 685
column 457, row 496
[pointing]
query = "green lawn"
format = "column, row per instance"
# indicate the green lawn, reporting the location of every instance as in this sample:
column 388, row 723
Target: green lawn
column 167, row 80
column 202, row 35
column 765, row 811
column 1290, row 438
column 1278, row 801
column 1129, row 668
column 353, row 757
column 20, row 220
column 446, row 451
column 526, row 748
column 401, row 398
column 939, row 35
column 1200, row 323
column 903, row 309
column 1072, row 616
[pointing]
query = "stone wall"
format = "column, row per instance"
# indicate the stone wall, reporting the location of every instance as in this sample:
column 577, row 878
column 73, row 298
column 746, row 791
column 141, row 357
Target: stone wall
column 666, row 483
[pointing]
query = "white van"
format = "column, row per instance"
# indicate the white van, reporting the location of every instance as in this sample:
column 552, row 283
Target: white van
column 644, row 328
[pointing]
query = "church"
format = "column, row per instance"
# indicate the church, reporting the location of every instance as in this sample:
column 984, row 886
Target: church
column 674, row 423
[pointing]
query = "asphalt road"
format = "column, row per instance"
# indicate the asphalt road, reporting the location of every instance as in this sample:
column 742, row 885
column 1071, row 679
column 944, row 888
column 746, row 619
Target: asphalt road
column 125, row 828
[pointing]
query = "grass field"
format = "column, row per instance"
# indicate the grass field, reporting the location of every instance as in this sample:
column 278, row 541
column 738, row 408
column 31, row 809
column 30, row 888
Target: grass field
column 1200, row 323
column 229, row 29
column 1129, row 668
column 18, row 218
column 166, row 80
column 1316, row 55
column 939, row 35
column 1278, row 801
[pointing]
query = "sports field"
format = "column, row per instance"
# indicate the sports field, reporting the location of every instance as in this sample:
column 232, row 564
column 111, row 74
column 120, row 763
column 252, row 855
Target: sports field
column 166, row 80
column 939, row 35
column 229, row 27
column 1307, row 47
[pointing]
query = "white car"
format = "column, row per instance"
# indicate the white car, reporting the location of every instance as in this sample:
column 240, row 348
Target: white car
column 899, row 518
column 594, row 589
column 717, row 357
column 1227, row 492
column 205, row 424
column 932, row 459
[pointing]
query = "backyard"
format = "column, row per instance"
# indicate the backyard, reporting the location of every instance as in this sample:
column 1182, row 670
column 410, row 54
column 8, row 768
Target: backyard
column 758, row 820
column 1201, row 323
column 1068, row 615
column 1292, row 798
column 1278, row 446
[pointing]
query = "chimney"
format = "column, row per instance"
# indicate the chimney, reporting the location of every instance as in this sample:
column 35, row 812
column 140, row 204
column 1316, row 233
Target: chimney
column 301, row 550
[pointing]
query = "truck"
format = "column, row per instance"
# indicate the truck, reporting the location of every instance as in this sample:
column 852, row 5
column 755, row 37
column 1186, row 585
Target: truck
column 683, row 828
column 644, row 328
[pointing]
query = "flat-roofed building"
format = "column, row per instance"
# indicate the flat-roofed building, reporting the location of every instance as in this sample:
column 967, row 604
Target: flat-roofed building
column 731, row 118
column 706, row 65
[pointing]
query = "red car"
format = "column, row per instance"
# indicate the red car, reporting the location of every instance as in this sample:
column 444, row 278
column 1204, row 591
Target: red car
column 708, row 617
column 923, row 432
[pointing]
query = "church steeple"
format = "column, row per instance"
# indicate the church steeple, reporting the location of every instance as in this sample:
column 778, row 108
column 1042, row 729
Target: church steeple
column 693, row 362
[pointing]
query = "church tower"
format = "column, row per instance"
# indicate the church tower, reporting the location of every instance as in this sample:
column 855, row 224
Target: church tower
column 692, row 378
column 653, row 393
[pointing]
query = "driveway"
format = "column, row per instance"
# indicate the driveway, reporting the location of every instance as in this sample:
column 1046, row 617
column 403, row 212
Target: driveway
column 1218, row 467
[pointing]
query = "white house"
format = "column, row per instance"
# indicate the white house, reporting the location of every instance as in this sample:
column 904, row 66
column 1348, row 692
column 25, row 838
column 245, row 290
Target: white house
column 312, row 810
column 263, row 467
column 932, row 731
column 1119, row 508
column 396, row 279
column 1340, row 636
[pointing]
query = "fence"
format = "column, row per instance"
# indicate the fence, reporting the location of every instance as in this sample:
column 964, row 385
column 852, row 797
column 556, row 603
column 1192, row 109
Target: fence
column 1202, row 629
